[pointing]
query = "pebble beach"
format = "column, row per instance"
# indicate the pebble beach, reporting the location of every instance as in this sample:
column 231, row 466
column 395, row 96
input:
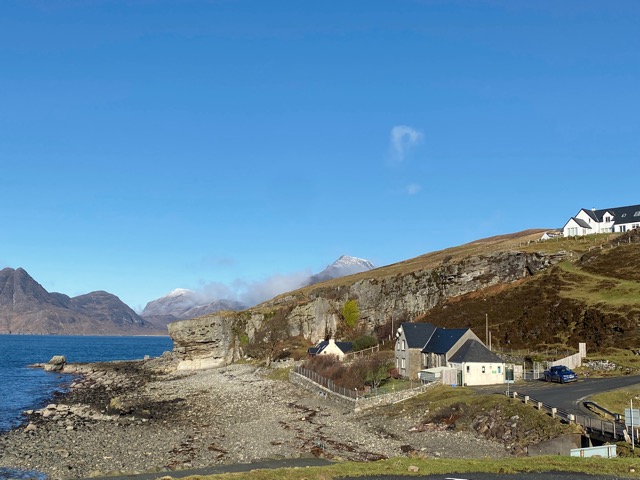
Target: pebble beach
column 143, row 416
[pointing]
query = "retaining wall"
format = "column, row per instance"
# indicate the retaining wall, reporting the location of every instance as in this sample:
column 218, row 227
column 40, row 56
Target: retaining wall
column 361, row 403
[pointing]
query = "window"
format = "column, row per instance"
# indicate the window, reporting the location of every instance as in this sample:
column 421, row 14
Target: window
column 403, row 345
column 483, row 369
column 499, row 369
column 623, row 215
column 637, row 214
column 468, row 368
column 398, row 345
column 403, row 363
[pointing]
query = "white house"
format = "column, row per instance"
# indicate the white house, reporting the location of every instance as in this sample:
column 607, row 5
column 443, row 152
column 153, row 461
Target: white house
column 330, row 347
column 618, row 219
column 456, row 348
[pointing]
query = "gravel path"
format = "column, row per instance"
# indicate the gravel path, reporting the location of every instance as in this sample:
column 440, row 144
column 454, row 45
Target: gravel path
column 128, row 417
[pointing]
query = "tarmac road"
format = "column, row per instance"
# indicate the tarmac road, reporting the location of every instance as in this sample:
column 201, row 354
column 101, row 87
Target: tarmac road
column 567, row 396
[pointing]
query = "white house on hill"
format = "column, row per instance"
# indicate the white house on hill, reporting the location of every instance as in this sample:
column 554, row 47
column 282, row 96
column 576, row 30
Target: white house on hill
column 618, row 219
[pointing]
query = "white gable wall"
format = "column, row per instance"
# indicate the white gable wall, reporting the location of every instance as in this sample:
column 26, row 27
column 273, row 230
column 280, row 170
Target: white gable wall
column 480, row 373
column 332, row 349
column 572, row 229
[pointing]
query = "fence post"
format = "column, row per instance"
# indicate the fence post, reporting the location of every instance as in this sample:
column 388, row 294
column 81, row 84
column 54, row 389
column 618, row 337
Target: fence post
column 554, row 410
column 526, row 399
column 539, row 405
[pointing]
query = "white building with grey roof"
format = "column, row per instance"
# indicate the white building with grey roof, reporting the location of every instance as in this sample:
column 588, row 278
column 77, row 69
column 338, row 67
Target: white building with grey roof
column 607, row 220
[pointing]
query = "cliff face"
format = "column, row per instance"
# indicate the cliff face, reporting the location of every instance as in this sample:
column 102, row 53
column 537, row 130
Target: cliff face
column 218, row 339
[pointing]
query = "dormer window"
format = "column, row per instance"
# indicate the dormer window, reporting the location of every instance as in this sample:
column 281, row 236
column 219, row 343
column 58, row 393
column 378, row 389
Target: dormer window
column 623, row 215
column 637, row 214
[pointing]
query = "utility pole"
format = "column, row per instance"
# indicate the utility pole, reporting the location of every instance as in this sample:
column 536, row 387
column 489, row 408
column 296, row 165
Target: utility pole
column 486, row 329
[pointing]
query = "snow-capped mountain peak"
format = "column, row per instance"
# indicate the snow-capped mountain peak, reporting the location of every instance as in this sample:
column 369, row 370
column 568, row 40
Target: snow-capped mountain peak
column 343, row 266
column 179, row 292
column 347, row 261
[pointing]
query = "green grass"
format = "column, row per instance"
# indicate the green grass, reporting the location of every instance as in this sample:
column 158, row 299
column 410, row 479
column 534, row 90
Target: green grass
column 617, row 400
column 593, row 289
column 280, row 374
column 619, row 467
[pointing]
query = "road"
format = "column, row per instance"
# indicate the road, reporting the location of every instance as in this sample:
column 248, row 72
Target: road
column 567, row 396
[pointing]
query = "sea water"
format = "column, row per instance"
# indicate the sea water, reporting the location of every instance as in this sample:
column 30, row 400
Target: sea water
column 23, row 388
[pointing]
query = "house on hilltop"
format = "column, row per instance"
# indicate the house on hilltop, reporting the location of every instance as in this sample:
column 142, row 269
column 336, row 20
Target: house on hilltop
column 330, row 347
column 586, row 222
column 424, row 347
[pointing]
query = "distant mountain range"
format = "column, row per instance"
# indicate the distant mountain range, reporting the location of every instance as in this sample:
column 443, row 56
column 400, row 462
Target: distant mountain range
column 181, row 303
column 26, row 307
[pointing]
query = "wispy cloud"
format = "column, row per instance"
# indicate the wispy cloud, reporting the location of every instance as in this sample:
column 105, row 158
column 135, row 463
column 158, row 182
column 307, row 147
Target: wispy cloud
column 251, row 293
column 403, row 139
column 413, row 188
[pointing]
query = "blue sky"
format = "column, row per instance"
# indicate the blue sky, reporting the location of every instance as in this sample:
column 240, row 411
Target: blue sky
column 233, row 146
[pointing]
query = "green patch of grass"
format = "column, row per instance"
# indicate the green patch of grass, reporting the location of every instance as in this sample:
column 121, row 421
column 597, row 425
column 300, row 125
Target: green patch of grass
column 619, row 467
column 594, row 289
column 617, row 400
column 280, row 374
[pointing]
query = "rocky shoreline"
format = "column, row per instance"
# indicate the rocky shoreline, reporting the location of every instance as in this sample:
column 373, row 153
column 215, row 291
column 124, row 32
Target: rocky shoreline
column 126, row 417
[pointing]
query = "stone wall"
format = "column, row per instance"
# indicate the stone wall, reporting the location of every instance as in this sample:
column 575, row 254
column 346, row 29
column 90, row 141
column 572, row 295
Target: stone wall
column 364, row 403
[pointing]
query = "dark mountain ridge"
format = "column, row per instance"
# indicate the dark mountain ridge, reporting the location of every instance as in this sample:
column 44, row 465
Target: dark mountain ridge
column 26, row 307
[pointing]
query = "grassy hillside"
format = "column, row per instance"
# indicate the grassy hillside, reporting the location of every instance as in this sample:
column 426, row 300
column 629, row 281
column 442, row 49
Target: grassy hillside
column 527, row 240
column 593, row 298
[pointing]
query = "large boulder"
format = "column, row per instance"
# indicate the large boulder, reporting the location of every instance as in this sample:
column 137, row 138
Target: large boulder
column 56, row 364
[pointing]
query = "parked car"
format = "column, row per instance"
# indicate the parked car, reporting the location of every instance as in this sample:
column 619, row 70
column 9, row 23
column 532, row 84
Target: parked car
column 561, row 374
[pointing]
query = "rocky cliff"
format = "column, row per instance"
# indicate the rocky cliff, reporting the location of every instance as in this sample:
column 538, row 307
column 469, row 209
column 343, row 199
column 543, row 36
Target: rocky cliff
column 311, row 313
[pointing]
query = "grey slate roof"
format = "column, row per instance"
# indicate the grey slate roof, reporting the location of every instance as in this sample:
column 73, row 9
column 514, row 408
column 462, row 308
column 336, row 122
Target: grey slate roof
column 443, row 339
column 474, row 351
column 581, row 222
column 417, row 334
column 620, row 214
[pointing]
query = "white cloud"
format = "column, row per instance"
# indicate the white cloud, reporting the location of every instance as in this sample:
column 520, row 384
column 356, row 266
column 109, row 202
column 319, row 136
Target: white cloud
column 403, row 139
column 251, row 293
column 413, row 188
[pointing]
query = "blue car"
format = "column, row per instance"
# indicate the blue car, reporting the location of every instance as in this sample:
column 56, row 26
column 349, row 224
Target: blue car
column 560, row 374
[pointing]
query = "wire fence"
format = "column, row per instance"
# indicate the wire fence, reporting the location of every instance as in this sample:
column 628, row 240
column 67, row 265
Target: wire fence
column 361, row 353
column 326, row 382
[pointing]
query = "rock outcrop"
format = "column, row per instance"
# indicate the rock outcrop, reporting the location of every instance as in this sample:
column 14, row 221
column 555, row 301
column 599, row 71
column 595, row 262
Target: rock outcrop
column 217, row 339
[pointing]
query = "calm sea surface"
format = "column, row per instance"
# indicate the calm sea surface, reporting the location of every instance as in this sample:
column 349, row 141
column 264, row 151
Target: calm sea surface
column 23, row 388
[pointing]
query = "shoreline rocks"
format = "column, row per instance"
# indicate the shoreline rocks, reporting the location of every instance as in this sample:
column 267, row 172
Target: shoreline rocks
column 140, row 416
